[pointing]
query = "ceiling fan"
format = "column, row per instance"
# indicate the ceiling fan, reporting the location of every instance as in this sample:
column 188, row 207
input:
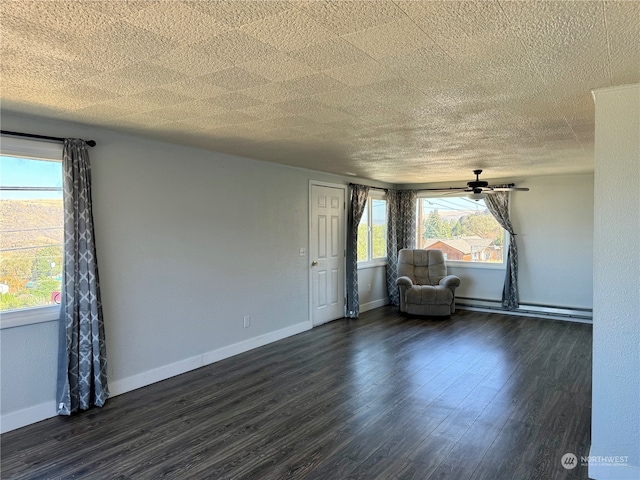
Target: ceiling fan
column 478, row 189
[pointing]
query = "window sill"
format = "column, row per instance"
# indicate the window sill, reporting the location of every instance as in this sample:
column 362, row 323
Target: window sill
column 484, row 266
column 29, row 316
column 372, row 264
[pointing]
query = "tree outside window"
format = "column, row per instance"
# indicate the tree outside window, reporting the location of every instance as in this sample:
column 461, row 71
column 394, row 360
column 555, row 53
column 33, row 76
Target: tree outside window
column 462, row 228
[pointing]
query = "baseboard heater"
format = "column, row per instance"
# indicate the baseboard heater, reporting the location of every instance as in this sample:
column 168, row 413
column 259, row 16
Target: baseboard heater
column 530, row 310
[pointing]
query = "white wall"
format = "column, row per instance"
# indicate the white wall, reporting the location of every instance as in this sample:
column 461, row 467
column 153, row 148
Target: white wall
column 478, row 283
column 615, row 423
column 189, row 241
column 28, row 366
column 554, row 227
column 372, row 287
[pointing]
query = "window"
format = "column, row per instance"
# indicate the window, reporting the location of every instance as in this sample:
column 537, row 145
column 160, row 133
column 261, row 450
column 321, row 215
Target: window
column 462, row 228
column 372, row 231
column 31, row 232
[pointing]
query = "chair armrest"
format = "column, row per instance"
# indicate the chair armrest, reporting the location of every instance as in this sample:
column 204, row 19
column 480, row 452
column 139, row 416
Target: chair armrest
column 450, row 281
column 404, row 282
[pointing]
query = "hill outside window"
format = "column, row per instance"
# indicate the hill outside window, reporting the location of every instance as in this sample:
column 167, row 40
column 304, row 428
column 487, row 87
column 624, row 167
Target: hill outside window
column 31, row 233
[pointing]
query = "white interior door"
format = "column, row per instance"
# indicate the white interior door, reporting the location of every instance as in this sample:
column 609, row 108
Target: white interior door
column 327, row 253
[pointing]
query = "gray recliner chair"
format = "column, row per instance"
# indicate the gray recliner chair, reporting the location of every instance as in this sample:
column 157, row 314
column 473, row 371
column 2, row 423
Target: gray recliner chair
column 423, row 283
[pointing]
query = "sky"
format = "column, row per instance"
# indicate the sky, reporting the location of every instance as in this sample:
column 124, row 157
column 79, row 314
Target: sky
column 379, row 212
column 20, row 172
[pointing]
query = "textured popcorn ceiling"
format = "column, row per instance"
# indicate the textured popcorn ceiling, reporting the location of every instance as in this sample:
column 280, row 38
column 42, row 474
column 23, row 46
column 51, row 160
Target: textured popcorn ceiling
column 398, row 91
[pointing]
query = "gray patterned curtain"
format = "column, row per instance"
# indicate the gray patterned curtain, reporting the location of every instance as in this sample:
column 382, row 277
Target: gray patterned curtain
column 401, row 233
column 498, row 205
column 358, row 202
column 82, row 362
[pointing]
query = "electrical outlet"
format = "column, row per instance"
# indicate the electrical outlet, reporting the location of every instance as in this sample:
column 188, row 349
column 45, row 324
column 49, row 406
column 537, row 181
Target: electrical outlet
column 369, row 288
column 303, row 252
column 247, row 321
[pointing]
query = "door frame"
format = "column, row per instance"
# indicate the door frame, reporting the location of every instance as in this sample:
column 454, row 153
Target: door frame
column 345, row 190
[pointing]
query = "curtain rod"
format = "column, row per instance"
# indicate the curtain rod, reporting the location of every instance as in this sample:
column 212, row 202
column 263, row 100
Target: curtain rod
column 387, row 189
column 91, row 143
column 419, row 190
column 370, row 187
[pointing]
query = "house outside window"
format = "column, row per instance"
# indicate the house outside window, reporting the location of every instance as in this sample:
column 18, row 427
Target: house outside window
column 462, row 228
column 372, row 230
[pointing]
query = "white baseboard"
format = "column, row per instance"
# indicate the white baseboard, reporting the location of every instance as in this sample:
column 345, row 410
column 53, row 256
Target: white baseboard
column 27, row 416
column 570, row 314
column 518, row 313
column 365, row 307
column 143, row 379
column 20, row 418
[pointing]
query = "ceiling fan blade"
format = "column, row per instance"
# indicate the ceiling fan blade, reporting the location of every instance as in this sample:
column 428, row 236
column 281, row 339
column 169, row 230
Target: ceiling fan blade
column 510, row 189
column 454, row 193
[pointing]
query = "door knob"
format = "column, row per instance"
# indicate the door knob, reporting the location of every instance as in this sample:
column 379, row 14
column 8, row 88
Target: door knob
column 314, row 263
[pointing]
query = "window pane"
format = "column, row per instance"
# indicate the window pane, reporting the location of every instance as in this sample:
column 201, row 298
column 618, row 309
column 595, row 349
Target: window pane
column 379, row 228
column 363, row 236
column 31, row 233
column 462, row 228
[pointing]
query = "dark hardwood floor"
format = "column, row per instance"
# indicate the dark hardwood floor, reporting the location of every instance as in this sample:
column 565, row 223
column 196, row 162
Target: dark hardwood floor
column 387, row 396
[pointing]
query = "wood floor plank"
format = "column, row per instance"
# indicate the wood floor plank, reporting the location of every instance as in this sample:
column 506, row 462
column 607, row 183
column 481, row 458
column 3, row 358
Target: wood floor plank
column 426, row 459
column 386, row 396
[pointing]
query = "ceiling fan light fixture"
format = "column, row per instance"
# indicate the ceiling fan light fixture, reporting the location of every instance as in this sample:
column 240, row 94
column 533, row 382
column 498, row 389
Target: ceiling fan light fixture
column 479, row 189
